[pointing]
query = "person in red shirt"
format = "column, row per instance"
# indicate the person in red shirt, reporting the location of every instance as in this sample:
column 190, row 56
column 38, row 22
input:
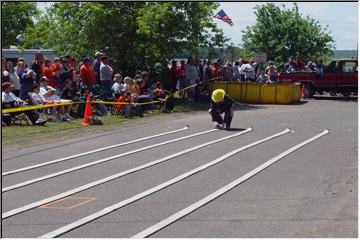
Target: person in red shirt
column 174, row 76
column 181, row 76
column 216, row 71
column 124, row 98
column 49, row 73
column 159, row 95
column 87, row 74
column 55, row 67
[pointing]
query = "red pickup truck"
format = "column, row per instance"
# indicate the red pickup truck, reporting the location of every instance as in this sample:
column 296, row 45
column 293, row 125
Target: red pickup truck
column 340, row 76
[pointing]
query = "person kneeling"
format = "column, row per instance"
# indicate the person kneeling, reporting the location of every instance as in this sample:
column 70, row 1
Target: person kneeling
column 221, row 103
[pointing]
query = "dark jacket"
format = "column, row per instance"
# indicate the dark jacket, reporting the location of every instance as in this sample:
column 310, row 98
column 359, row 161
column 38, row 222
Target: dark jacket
column 223, row 106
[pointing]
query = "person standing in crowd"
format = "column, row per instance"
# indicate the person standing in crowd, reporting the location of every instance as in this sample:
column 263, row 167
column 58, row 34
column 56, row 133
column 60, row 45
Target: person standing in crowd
column 65, row 72
column 299, row 64
column 249, row 72
column 271, row 73
column 87, row 74
column 254, row 66
column 191, row 76
column 227, row 72
column 200, row 69
column 221, row 103
column 173, row 76
column 13, row 78
column 207, row 71
column 56, row 67
column 181, row 73
column 216, row 71
column 290, row 66
column 37, row 65
column 145, row 78
column 241, row 71
column 49, row 73
column 106, row 74
column 96, row 66
column 236, row 76
column 112, row 64
column 27, row 79
column 310, row 67
column 320, row 66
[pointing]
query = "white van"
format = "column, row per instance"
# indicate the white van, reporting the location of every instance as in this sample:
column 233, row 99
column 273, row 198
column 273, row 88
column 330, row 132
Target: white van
column 13, row 54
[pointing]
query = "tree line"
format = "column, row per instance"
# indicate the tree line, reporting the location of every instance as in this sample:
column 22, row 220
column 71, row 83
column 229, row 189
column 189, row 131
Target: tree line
column 139, row 34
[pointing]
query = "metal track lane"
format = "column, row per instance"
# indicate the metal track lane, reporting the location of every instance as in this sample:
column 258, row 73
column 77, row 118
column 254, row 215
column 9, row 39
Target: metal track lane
column 90, row 152
column 155, row 189
column 182, row 213
column 115, row 176
column 73, row 169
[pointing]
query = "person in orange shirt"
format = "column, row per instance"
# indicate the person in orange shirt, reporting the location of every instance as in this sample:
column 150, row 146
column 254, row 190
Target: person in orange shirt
column 55, row 67
column 87, row 74
column 49, row 73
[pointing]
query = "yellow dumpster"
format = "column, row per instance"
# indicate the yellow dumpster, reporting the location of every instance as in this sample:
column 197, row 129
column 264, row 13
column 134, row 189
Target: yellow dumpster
column 253, row 93
column 268, row 93
column 234, row 90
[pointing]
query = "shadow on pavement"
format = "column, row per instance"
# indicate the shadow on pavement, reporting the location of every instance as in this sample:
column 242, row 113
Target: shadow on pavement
column 235, row 129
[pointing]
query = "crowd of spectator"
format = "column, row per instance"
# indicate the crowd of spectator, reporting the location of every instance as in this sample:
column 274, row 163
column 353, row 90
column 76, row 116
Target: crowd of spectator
column 64, row 79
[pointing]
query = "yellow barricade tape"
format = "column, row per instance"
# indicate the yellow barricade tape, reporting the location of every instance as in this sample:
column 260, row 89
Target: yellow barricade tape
column 28, row 108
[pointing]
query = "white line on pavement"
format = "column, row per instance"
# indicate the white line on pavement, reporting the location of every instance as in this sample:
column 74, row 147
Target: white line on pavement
column 112, row 177
column 175, row 217
column 155, row 189
column 90, row 152
column 35, row 180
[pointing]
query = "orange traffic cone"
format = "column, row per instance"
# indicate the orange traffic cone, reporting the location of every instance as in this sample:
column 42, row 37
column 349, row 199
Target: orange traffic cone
column 302, row 91
column 88, row 112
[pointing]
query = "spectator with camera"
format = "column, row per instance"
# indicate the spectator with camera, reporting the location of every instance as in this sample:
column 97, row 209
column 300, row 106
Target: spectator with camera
column 27, row 79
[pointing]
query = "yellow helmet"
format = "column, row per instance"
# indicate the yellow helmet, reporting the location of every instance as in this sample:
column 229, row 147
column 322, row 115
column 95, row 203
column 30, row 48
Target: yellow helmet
column 218, row 95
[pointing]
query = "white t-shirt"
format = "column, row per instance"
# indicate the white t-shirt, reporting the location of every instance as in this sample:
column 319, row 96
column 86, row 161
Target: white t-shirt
column 116, row 87
column 37, row 98
column 9, row 97
column 248, row 71
column 52, row 97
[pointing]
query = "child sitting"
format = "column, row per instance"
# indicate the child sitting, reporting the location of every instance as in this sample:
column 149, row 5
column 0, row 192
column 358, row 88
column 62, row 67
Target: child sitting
column 159, row 95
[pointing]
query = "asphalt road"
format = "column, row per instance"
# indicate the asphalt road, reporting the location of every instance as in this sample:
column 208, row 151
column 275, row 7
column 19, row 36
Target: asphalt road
column 311, row 192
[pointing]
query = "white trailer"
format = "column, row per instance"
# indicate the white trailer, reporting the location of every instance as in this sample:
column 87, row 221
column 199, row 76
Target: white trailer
column 12, row 54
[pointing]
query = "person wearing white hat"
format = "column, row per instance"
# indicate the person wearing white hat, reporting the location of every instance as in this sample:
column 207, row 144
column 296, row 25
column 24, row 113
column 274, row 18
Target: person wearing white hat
column 96, row 65
column 221, row 103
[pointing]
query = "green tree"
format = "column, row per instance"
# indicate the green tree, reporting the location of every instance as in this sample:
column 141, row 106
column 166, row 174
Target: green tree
column 137, row 34
column 282, row 33
column 16, row 17
column 167, row 29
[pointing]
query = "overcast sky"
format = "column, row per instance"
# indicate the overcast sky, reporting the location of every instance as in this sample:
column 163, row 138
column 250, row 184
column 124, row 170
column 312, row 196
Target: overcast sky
column 342, row 18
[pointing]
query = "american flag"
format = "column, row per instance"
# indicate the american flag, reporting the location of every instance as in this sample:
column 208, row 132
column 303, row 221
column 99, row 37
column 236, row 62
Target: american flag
column 222, row 16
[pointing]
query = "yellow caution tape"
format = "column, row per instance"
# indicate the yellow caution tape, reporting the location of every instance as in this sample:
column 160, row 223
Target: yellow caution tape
column 28, row 108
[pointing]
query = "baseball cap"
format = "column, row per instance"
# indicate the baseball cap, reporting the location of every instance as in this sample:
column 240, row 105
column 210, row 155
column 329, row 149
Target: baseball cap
column 7, row 84
column 98, row 54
